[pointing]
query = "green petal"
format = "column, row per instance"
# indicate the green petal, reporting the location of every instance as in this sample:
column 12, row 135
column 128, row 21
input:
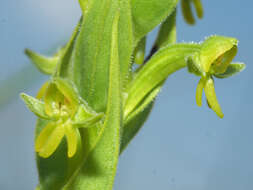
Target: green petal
column 199, row 91
column 187, row 11
column 217, row 50
column 35, row 106
column 168, row 33
column 44, row 135
column 52, row 99
column 42, row 90
column 68, row 91
column 72, row 134
column 232, row 70
column 199, row 8
column 211, row 97
column 52, row 142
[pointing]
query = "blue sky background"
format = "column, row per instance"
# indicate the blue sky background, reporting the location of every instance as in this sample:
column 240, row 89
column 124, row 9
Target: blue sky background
column 181, row 146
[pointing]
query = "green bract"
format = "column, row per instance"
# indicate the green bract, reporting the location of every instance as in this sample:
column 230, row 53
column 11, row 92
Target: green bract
column 97, row 99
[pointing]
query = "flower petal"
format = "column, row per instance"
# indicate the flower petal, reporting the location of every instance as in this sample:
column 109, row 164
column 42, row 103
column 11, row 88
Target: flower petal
column 199, row 91
column 52, row 99
column 72, row 134
column 44, row 135
column 52, row 142
column 211, row 97
column 42, row 90
column 187, row 11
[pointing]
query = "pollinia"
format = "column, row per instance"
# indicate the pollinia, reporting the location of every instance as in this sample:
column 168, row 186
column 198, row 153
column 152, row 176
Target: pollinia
column 103, row 86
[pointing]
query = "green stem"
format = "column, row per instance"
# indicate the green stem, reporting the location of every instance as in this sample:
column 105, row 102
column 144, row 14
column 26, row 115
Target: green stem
column 160, row 66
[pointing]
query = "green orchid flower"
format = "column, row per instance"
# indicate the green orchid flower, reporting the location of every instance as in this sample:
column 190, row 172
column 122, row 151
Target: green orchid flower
column 65, row 113
column 214, row 60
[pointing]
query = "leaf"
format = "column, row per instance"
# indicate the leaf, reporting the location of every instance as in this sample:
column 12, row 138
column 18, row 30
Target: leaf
column 36, row 106
column 134, row 122
column 168, row 33
column 232, row 70
column 148, row 14
column 45, row 64
column 126, row 40
column 91, row 59
column 99, row 170
column 155, row 71
column 64, row 69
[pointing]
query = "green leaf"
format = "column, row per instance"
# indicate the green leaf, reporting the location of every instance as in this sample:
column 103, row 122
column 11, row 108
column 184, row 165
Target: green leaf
column 155, row 71
column 100, row 168
column 142, row 105
column 64, row 68
column 168, row 33
column 126, row 40
column 232, row 70
column 134, row 122
column 91, row 59
column 45, row 64
column 148, row 14
column 36, row 106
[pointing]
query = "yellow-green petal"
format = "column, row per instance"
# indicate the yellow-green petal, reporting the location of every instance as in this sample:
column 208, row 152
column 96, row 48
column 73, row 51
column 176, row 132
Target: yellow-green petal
column 52, row 142
column 199, row 91
column 42, row 90
column 211, row 97
column 217, row 48
column 43, row 136
column 199, row 8
column 68, row 91
column 52, row 99
column 187, row 11
column 72, row 139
